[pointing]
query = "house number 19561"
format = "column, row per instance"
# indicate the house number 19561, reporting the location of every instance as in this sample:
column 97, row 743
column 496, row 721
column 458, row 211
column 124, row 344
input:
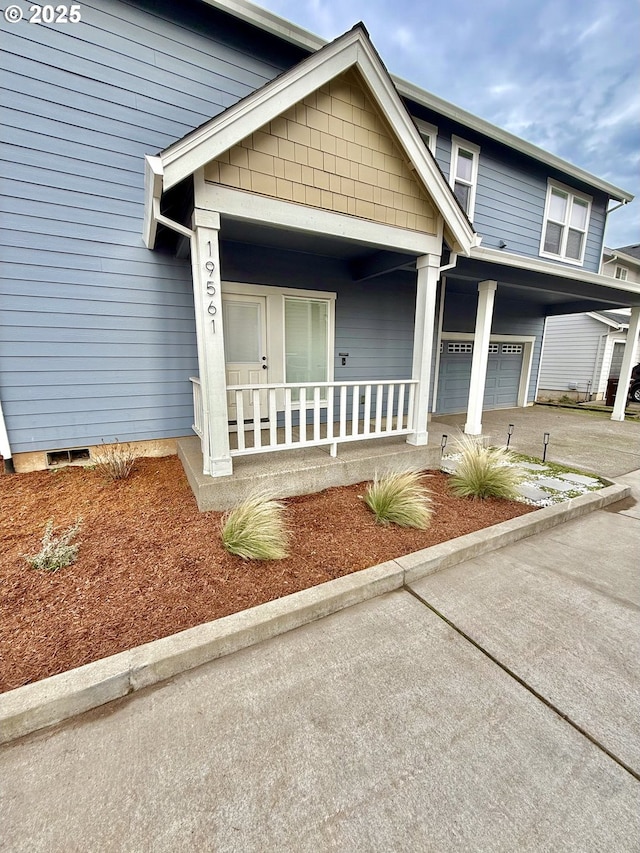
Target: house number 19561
column 211, row 292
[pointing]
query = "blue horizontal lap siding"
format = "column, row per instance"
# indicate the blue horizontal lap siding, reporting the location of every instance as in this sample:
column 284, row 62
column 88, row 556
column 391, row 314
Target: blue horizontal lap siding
column 97, row 337
column 511, row 194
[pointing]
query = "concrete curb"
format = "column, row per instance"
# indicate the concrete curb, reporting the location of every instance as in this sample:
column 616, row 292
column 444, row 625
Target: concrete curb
column 53, row 700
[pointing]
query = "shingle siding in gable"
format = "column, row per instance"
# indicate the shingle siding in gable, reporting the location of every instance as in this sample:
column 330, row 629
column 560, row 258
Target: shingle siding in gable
column 97, row 338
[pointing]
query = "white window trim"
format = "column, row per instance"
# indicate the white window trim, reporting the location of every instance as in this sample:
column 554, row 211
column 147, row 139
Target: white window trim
column 456, row 144
column 572, row 193
column 275, row 322
column 621, row 273
column 430, row 130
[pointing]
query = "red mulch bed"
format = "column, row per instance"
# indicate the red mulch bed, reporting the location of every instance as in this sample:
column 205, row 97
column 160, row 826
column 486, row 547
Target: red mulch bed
column 150, row 564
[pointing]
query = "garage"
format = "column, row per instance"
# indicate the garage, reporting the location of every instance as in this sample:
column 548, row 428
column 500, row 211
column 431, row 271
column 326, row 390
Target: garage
column 504, row 369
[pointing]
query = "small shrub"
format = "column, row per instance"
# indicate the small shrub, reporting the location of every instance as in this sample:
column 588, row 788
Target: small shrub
column 115, row 462
column 255, row 529
column 484, row 472
column 399, row 498
column 57, row 551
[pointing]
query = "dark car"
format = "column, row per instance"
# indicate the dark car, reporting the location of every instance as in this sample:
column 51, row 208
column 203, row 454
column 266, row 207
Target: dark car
column 634, row 385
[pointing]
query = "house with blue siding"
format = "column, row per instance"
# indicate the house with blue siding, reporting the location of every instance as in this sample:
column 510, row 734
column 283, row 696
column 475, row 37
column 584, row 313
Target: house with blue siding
column 217, row 225
column 583, row 353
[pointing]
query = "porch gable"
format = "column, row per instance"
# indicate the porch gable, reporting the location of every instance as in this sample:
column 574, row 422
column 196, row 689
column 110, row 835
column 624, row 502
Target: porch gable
column 334, row 151
column 340, row 75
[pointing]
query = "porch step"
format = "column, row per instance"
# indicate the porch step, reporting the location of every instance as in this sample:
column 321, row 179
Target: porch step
column 299, row 472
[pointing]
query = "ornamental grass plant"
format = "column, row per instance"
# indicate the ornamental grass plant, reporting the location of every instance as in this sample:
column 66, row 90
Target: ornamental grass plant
column 255, row 529
column 484, row 472
column 400, row 498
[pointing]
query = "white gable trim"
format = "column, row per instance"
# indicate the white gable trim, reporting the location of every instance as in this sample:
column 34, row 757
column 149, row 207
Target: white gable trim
column 353, row 50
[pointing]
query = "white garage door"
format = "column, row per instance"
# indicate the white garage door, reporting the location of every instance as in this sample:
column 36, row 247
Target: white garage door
column 504, row 369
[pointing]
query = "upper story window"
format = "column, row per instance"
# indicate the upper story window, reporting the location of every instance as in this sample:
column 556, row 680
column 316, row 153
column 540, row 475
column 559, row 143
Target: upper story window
column 566, row 221
column 621, row 273
column 429, row 133
column 463, row 177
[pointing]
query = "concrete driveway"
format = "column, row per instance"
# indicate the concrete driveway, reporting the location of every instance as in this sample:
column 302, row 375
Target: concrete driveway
column 490, row 707
column 583, row 439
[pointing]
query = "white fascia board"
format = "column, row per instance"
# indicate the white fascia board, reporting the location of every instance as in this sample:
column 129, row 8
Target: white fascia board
column 152, row 194
column 303, row 38
column 498, row 256
column 239, row 204
column 408, row 135
column 269, row 22
column 256, row 110
column 451, row 111
column 611, row 323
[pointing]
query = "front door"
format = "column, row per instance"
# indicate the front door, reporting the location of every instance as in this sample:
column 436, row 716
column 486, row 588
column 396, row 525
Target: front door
column 245, row 347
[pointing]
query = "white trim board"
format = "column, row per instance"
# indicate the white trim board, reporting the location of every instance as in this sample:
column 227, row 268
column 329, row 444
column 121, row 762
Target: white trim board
column 498, row 256
column 247, row 206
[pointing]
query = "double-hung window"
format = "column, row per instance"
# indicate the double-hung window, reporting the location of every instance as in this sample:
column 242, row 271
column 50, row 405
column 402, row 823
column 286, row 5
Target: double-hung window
column 463, row 177
column 621, row 273
column 566, row 221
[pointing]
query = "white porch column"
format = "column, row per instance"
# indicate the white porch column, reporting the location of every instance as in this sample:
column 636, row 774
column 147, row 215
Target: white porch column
column 424, row 330
column 205, row 265
column 627, row 364
column 484, row 316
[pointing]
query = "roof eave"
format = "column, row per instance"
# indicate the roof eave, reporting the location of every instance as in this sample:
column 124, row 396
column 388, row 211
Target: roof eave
column 499, row 256
column 302, row 38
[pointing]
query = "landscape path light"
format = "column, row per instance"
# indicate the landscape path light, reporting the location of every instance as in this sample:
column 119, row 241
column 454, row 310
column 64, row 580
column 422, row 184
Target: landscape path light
column 509, row 434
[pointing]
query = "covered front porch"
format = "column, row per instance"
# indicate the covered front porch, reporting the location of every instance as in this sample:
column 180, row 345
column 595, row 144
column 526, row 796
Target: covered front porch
column 316, row 189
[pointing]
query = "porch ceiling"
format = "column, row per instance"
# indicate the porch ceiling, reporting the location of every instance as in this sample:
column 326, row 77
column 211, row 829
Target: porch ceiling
column 364, row 261
column 557, row 293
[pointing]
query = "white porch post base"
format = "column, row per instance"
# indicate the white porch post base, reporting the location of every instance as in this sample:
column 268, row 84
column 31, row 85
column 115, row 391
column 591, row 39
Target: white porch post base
column 219, row 467
column 418, row 438
column 205, row 264
column 428, row 267
column 484, row 316
column 620, row 402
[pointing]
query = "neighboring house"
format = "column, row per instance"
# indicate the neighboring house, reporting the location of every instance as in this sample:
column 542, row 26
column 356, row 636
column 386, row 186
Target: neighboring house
column 582, row 352
column 313, row 237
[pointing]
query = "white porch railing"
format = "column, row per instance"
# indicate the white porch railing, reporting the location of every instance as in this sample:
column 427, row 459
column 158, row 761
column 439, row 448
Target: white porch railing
column 282, row 416
column 198, row 410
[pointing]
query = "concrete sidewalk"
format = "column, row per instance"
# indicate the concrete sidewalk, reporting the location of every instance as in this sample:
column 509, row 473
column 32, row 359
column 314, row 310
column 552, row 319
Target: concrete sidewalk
column 380, row 727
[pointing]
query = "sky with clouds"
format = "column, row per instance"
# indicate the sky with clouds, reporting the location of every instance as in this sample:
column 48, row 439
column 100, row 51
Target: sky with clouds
column 563, row 74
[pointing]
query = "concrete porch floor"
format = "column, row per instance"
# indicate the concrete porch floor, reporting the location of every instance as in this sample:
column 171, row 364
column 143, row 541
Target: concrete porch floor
column 298, row 472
